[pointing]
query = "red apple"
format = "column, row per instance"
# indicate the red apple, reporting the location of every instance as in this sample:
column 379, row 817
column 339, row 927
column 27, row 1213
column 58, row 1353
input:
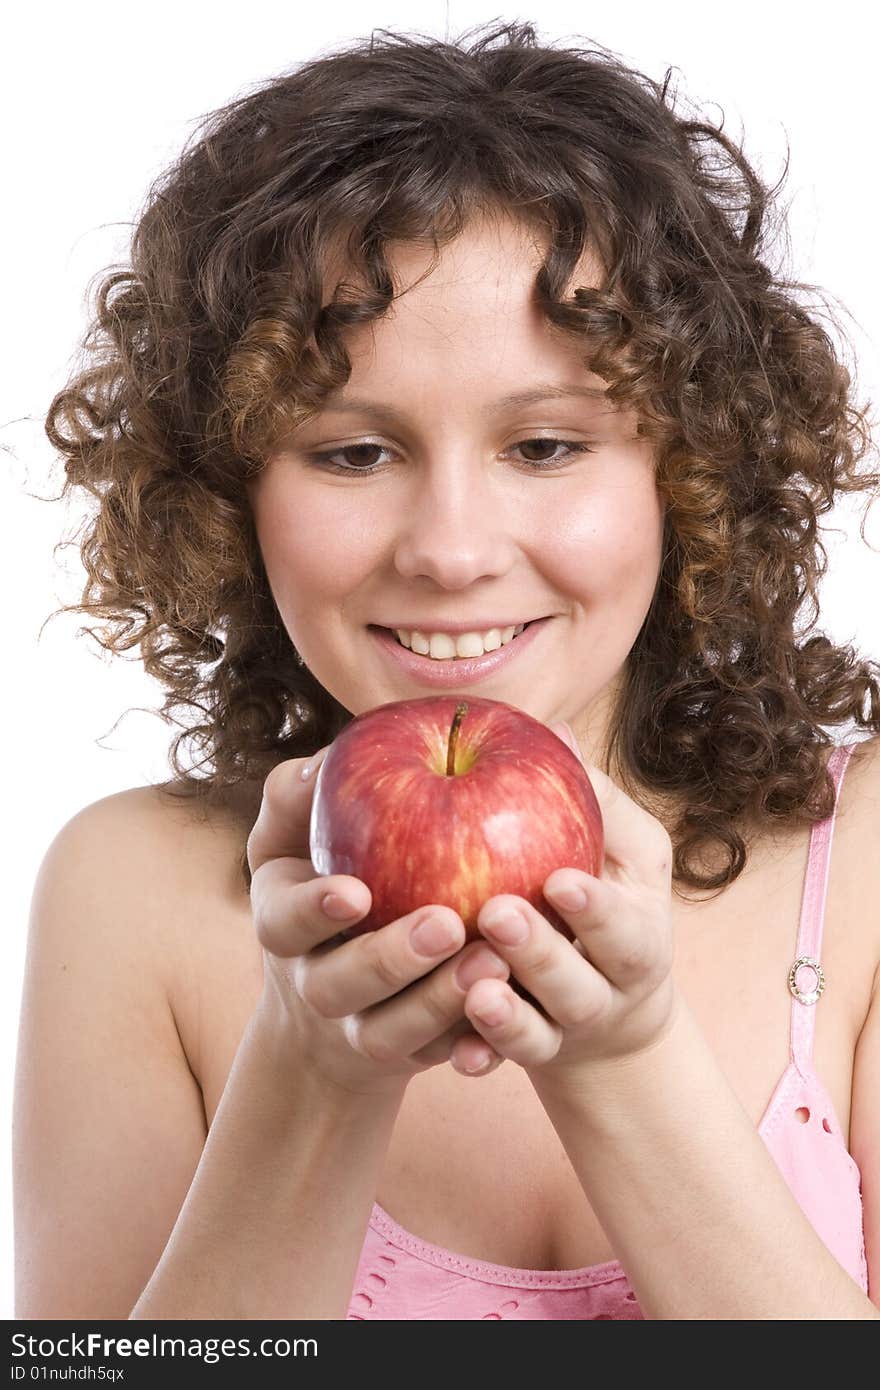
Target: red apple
column 451, row 800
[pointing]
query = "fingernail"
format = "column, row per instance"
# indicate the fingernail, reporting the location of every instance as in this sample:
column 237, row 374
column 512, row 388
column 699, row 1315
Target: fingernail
column 569, row 896
column 476, row 1067
column 338, row 908
column 511, row 928
column 476, row 965
column 314, row 763
column 493, row 1013
column 433, row 935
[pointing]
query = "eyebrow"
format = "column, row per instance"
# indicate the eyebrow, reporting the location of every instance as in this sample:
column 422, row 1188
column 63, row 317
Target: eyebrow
column 546, row 391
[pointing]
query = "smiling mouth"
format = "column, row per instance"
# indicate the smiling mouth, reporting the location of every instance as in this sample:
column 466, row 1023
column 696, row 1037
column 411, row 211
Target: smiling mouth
column 518, row 631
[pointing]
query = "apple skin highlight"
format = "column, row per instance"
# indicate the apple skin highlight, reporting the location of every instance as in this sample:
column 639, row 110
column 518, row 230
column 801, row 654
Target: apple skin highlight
column 517, row 805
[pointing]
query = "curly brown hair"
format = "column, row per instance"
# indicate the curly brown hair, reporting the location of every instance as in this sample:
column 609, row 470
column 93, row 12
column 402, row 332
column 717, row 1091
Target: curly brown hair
column 215, row 338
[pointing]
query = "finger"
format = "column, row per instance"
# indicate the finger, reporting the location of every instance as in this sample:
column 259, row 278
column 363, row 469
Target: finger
column 376, row 966
column 282, row 825
column 411, row 1020
column 471, row 1055
column 556, row 974
column 512, row 1027
column 439, row 1048
column 623, row 938
column 624, row 931
column 294, row 911
column 636, row 843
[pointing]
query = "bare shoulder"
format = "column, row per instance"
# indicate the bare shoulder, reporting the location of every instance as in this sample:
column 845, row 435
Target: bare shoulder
column 124, row 897
column 858, row 803
column 154, row 850
column 855, row 861
column 859, row 824
column 196, row 854
column 863, row 773
column 142, row 970
column 171, row 869
column 192, row 834
column 163, row 812
column 203, row 836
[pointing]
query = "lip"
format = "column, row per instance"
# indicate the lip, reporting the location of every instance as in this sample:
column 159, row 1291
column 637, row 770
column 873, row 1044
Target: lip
column 465, row 670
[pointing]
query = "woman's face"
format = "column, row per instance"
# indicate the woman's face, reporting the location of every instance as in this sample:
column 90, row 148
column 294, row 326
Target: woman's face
column 464, row 523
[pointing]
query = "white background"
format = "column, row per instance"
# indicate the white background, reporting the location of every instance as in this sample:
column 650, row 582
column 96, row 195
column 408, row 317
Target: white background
column 97, row 98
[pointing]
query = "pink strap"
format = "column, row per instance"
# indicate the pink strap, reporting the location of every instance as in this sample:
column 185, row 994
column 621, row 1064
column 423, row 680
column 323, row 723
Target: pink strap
column 807, row 979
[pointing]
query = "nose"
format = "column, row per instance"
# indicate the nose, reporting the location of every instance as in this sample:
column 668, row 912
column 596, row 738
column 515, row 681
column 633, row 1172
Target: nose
column 456, row 531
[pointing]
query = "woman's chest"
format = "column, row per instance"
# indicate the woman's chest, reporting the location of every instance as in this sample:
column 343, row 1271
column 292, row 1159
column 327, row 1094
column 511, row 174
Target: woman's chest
column 474, row 1165
column 477, row 1168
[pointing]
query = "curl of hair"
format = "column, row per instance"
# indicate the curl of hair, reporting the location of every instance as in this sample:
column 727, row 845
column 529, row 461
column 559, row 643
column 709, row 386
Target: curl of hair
column 216, row 337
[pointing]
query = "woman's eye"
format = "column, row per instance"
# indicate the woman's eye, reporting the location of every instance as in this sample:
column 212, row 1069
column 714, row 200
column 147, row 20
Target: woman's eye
column 539, row 452
column 360, row 456
column 546, row 449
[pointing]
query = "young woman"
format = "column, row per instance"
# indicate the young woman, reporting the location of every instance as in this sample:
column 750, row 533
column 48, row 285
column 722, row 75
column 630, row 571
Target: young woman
column 423, row 340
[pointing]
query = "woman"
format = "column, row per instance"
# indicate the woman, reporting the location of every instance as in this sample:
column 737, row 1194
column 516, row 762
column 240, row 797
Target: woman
column 422, row 343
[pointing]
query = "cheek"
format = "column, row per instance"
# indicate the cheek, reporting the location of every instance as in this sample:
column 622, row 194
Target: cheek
column 610, row 548
column 312, row 543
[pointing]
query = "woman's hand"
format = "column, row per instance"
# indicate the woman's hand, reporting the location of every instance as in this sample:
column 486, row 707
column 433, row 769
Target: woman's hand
column 606, row 995
column 368, row 1013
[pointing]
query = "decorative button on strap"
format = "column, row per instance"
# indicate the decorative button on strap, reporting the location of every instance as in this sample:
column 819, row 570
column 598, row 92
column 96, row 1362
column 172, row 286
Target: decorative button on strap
column 806, row 996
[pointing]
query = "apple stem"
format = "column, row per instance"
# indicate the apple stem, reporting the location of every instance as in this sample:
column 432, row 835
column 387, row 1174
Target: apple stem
column 460, row 712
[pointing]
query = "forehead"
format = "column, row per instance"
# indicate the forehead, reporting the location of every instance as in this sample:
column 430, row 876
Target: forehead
column 494, row 255
column 465, row 318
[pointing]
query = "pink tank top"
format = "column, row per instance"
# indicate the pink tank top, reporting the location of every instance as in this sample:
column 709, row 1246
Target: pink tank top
column 401, row 1277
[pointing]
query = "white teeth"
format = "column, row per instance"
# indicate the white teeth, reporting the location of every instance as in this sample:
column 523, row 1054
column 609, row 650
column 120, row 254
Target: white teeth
column 471, row 643
column 440, row 646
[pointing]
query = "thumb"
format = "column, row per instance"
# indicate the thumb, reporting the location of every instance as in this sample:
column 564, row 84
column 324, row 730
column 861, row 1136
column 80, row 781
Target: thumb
column 281, row 829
